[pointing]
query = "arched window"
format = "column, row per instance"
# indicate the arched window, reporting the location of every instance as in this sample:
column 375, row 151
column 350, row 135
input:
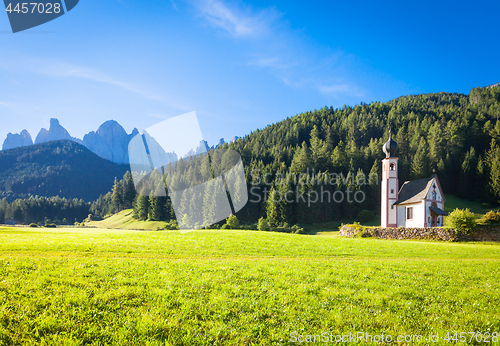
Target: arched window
column 392, row 166
column 433, row 195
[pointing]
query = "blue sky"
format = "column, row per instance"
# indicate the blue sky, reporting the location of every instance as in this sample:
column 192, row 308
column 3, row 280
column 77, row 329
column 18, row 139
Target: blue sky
column 239, row 65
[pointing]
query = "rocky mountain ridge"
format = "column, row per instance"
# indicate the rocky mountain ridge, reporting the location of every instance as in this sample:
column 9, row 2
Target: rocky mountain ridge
column 110, row 141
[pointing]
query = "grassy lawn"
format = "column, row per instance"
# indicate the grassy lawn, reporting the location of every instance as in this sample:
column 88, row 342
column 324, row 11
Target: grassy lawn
column 118, row 287
column 453, row 202
column 124, row 220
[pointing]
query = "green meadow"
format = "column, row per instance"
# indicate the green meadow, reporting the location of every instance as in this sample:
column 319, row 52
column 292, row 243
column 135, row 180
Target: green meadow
column 75, row 286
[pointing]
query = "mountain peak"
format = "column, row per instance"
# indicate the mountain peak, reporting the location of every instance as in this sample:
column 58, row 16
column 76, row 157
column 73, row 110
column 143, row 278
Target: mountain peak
column 54, row 133
column 16, row 140
column 110, row 141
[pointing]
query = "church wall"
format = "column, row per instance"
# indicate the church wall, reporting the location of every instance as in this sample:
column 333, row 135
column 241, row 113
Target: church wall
column 439, row 200
column 428, row 204
column 418, row 215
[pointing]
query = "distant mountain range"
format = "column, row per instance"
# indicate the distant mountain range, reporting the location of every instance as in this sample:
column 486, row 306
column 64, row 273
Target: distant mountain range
column 110, row 141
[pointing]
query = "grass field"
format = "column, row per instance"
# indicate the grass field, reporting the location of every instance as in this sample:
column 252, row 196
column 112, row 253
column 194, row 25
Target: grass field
column 117, row 287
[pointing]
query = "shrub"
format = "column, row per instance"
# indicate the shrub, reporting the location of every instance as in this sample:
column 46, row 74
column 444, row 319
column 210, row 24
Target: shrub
column 263, row 225
column 298, row 230
column 365, row 216
column 462, row 221
column 33, row 225
column 50, row 225
column 171, row 225
column 491, row 217
column 251, row 227
column 232, row 222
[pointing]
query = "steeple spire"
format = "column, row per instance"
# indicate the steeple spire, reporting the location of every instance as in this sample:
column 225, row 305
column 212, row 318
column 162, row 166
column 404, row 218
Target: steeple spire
column 390, row 147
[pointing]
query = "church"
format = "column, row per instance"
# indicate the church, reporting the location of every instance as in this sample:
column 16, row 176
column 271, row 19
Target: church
column 419, row 203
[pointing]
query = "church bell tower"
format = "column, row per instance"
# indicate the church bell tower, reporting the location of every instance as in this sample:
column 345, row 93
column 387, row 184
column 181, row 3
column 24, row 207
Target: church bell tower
column 390, row 184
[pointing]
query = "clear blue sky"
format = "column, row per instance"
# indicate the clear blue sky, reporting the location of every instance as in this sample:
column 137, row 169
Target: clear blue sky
column 239, row 65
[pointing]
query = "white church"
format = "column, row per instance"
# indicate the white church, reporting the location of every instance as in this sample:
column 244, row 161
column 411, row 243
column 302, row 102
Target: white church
column 419, row 203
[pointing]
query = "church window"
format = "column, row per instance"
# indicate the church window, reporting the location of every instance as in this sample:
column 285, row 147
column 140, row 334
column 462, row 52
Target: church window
column 392, row 166
column 392, row 190
column 409, row 213
column 433, row 195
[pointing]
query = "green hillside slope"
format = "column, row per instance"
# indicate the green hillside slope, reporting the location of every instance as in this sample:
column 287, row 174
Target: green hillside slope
column 62, row 168
column 454, row 135
column 124, row 220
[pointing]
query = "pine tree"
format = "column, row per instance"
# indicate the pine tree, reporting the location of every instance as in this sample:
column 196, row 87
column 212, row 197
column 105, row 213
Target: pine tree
column 420, row 164
column 467, row 173
column 272, row 208
column 141, row 207
column 117, row 197
column 301, row 162
column 339, row 158
column 493, row 158
column 373, row 190
column 129, row 191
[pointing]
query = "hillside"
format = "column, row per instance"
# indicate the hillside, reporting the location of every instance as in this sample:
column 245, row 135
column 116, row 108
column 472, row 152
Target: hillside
column 124, row 220
column 321, row 160
column 457, row 136
column 62, row 168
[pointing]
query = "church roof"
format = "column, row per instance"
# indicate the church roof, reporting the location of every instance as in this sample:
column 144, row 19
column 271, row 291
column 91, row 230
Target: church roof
column 390, row 147
column 438, row 211
column 416, row 190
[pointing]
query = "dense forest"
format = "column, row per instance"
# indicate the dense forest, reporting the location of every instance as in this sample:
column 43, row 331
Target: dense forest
column 322, row 160
column 58, row 168
column 44, row 210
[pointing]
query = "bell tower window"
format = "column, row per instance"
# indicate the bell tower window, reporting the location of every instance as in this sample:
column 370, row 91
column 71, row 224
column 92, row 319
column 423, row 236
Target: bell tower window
column 392, row 166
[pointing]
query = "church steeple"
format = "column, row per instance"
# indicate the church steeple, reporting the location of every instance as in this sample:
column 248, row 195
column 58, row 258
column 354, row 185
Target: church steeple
column 390, row 147
column 390, row 184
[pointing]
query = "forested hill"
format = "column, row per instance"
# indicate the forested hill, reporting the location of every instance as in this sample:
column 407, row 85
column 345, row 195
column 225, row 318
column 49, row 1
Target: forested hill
column 456, row 136
column 57, row 168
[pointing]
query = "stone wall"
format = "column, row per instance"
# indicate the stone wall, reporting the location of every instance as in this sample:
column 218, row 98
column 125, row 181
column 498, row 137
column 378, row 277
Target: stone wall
column 483, row 233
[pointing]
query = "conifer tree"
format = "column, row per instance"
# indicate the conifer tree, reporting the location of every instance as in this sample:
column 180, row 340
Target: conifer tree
column 117, row 197
column 128, row 190
column 141, row 207
column 272, row 208
column 420, row 164
column 493, row 158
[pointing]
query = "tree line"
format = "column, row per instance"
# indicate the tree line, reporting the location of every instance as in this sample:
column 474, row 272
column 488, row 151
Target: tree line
column 44, row 210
